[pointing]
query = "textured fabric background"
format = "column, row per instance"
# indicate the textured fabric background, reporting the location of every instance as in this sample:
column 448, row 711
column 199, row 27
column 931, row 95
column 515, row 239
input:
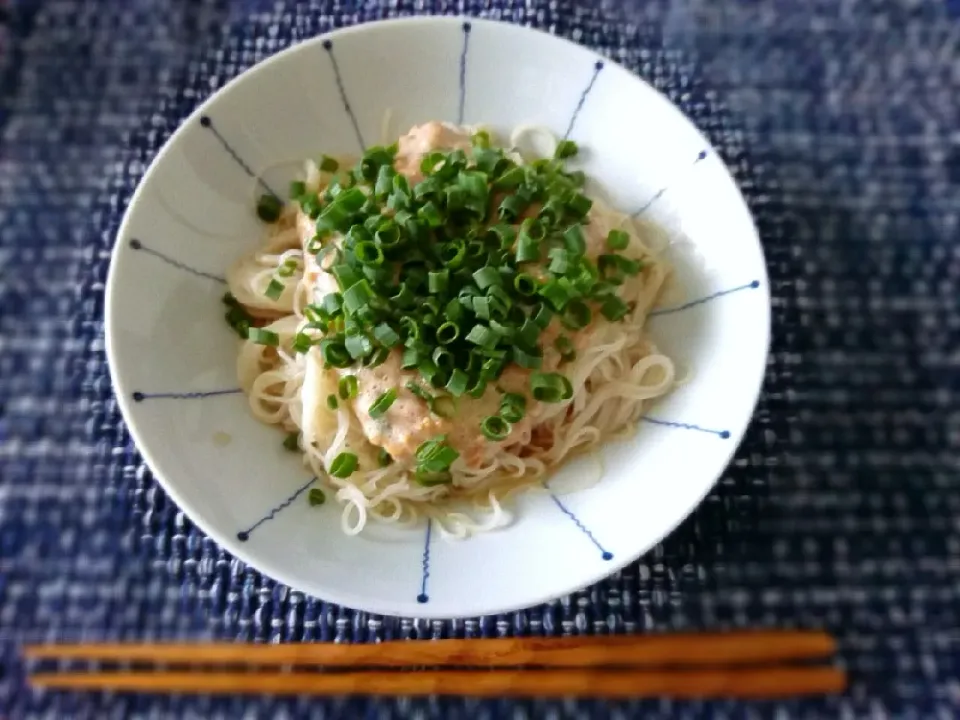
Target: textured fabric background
column 841, row 120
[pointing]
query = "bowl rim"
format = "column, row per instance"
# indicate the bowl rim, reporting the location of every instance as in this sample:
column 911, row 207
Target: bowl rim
column 224, row 540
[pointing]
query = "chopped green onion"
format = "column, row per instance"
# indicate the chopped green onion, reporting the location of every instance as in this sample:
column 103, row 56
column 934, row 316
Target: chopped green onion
column 346, row 276
column 432, row 479
column 373, row 159
column 316, row 497
column 486, row 277
column 302, row 343
column 334, row 353
column 613, row 308
column 559, row 261
column 263, row 337
column 574, row 240
column 565, row 149
column 332, row 304
column 388, row 236
column 437, row 282
column 528, row 249
column 292, row 441
column 332, row 402
column 274, row 289
column 579, row 205
column 384, row 184
column 443, row 406
column 435, row 455
column 617, row 240
column 576, row 315
column 550, row 387
column 531, row 360
column 419, row 391
column 513, row 406
column 482, row 335
column 383, row 458
column 457, row 385
column 443, row 359
column 528, row 333
column 358, row 345
column 411, row 327
column 556, row 293
column 481, row 307
column 447, row 332
column 542, row 315
column 328, row 164
column 386, row 335
column 511, row 207
column 376, row 358
column 511, row 179
column 383, row 403
column 368, row 253
column 430, row 214
column 357, row 296
column 297, row 188
column 288, row 268
column 478, row 389
column 310, row 205
column 348, row 387
column 503, row 235
column 404, row 298
column 269, row 207
column 495, row 428
column 525, row 284
column 343, row 465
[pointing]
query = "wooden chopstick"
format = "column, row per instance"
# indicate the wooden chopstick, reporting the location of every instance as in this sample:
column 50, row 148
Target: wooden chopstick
column 733, row 683
column 674, row 650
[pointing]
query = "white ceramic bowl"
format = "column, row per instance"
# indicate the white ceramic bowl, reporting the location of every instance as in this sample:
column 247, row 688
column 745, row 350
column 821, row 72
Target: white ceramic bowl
column 173, row 358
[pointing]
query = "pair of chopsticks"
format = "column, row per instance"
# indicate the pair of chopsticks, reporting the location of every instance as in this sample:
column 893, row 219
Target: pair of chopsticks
column 734, row 665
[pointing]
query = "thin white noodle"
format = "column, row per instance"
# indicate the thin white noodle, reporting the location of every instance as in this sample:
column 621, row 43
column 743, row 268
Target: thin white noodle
column 616, row 373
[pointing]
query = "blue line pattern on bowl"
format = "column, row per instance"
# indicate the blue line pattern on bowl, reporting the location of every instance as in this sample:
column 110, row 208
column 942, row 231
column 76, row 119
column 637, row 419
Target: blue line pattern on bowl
column 328, row 46
column 753, row 285
column 244, row 535
column 597, row 67
column 425, row 565
column 463, row 71
column 604, row 553
column 207, row 122
column 138, row 245
column 702, row 155
column 723, row 434
column 141, row 396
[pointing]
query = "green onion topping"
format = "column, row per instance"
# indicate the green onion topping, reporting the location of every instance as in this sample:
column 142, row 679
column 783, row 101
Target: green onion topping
column 274, row 289
column 495, row 428
column 347, row 387
column 269, row 207
column 263, row 337
column 458, row 275
column 383, row 403
column 550, row 387
column 344, row 464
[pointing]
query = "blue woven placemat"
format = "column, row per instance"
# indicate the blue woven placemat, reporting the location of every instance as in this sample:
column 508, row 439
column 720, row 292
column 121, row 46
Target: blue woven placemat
column 840, row 121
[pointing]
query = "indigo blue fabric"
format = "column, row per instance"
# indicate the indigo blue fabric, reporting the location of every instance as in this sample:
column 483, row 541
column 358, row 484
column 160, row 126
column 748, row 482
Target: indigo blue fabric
column 841, row 122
